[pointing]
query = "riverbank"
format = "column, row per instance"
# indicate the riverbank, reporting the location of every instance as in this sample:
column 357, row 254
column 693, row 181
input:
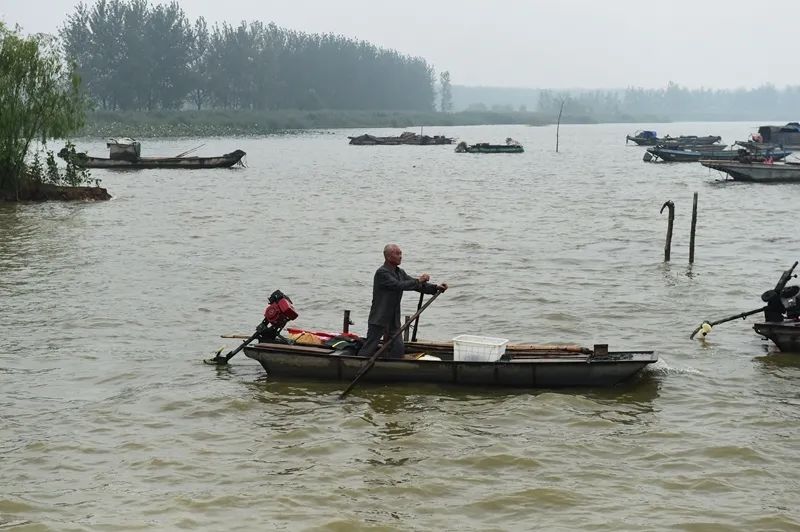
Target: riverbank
column 223, row 123
column 48, row 192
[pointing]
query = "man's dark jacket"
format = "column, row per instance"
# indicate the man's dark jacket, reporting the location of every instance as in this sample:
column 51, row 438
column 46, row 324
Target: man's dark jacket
column 387, row 292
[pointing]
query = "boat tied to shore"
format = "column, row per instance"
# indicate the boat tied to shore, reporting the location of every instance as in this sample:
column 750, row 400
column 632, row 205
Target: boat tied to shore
column 466, row 360
column 125, row 153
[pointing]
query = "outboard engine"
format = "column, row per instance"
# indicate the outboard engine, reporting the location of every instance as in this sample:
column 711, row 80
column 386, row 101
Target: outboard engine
column 278, row 313
column 782, row 300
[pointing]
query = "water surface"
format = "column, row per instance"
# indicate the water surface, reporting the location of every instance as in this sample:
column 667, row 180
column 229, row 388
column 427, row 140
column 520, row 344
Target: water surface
column 111, row 422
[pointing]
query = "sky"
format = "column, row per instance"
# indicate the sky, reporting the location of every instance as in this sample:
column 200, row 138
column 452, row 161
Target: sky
column 557, row 44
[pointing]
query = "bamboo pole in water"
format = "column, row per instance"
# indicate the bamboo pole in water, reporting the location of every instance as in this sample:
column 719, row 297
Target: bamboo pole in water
column 346, row 322
column 558, row 124
column 671, row 219
column 694, row 225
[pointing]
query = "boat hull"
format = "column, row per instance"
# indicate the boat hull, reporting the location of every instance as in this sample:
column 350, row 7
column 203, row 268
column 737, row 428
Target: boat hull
column 406, row 138
column 689, row 140
column 785, row 335
column 224, row 161
column 756, row 172
column 692, row 155
column 565, row 370
column 493, row 148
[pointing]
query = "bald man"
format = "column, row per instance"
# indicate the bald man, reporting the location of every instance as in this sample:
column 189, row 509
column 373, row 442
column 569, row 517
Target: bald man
column 387, row 292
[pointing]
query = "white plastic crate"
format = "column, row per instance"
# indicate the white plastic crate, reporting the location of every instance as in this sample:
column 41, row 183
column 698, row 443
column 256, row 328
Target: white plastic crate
column 469, row 348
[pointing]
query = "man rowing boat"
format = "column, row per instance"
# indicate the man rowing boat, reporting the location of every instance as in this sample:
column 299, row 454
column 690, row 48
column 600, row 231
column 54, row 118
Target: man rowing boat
column 389, row 283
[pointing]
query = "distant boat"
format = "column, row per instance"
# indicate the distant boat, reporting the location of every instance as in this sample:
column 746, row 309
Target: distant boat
column 649, row 138
column 787, row 136
column 690, row 154
column 642, row 138
column 407, row 137
column 757, row 171
column 511, row 146
column 125, row 153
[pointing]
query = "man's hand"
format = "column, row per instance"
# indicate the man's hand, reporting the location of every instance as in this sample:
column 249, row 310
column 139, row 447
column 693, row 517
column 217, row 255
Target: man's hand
column 441, row 287
column 424, row 278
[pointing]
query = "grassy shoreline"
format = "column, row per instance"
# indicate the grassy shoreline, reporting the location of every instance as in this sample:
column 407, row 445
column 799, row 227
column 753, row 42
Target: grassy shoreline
column 215, row 123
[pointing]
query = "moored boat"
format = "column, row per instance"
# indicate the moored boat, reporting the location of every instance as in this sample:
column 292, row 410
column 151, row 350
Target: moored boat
column 125, row 153
column 407, row 137
column 511, row 146
column 649, row 138
column 691, row 154
column 642, row 138
column 758, row 172
column 787, row 136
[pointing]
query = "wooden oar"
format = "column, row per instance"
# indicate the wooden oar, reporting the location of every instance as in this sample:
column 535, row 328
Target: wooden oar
column 743, row 315
column 416, row 321
column 368, row 365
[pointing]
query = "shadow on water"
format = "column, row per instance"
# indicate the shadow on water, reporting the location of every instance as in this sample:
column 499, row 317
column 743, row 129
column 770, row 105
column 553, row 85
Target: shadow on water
column 779, row 364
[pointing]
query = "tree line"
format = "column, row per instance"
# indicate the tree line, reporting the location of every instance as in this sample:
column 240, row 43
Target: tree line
column 677, row 103
column 134, row 56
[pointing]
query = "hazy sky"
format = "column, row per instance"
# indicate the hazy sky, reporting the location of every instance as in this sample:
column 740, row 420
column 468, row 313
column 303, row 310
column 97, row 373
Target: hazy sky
column 533, row 43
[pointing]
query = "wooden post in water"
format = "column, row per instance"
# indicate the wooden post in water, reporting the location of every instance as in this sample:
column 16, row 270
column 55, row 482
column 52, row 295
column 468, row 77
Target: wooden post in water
column 346, row 323
column 694, row 225
column 668, row 244
column 558, row 124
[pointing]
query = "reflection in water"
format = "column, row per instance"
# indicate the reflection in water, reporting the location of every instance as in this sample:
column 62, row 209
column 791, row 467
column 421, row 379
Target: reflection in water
column 780, row 364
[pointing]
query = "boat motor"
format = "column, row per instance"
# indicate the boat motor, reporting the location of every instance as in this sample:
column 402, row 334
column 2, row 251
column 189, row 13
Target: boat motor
column 278, row 313
column 781, row 301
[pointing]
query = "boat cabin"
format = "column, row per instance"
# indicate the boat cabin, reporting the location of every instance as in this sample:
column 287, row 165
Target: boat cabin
column 124, row 149
column 788, row 135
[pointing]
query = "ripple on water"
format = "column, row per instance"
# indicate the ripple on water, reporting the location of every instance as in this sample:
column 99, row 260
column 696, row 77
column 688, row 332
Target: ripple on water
column 109, row 420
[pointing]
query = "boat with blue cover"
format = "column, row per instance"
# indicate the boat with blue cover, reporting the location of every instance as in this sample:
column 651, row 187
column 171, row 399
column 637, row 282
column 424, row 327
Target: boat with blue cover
column 689, row 154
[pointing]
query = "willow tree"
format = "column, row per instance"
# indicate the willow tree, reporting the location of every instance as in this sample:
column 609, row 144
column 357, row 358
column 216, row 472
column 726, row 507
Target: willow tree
column 39, row 99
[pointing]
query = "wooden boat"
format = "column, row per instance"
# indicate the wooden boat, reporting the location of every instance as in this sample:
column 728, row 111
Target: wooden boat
column 785, row 335
column 511, row 146
column 683, row 155
column 649, row 138
column 467, row 360
column 781, row 314
column 522, row 366
column 643, row 138
column 125, row 153
column 758, row 172
column 407, row 137
column 787, row 136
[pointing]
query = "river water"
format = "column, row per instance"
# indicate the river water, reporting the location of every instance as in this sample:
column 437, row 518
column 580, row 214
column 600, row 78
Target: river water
column 110, row 421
